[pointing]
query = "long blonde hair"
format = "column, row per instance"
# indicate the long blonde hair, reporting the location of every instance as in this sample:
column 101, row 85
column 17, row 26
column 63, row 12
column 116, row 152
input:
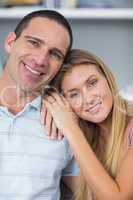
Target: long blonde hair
column 116, row 119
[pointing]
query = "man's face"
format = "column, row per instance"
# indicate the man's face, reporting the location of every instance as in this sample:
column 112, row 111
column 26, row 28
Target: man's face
column 37, row 55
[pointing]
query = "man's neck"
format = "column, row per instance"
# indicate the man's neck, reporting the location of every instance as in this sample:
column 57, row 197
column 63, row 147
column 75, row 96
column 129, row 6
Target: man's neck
column 12, row 96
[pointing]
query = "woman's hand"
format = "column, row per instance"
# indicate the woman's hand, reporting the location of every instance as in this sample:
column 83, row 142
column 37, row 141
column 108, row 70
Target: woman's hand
column 58, row 116
column 51, row 130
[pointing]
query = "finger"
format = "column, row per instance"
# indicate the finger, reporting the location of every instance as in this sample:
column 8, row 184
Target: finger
column 48, row 123
column 54, row 96
column 49, row 98
column 43, row 114
column 65, row 100
column 51, row 94
column 47, row 103
column 48, row 89
column 60, row 135
column 54, row 131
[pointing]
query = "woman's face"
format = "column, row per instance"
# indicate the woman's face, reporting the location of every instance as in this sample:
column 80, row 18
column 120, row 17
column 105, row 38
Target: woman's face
column 88, row 93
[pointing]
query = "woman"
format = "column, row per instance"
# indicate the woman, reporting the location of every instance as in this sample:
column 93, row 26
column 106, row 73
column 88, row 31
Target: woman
column 102, row 135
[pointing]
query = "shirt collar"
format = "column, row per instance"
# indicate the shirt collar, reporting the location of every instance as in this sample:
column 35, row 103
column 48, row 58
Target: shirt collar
column 36, row 103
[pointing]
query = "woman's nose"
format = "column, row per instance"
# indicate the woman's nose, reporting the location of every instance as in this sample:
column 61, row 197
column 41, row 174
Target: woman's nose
column 90, row 99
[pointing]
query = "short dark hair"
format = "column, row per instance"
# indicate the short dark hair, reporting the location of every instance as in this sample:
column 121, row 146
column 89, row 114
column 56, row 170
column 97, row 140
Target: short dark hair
column 50, row 14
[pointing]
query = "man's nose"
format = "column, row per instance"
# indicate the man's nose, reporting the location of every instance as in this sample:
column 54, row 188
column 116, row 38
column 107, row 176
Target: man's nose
column 42, row 57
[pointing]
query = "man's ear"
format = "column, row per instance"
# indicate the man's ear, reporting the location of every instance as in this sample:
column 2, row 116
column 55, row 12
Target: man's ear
column 10, row 41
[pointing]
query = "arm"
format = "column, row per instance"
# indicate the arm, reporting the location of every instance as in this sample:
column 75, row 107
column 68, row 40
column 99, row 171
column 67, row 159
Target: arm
column 102, row 185
column 98, row 180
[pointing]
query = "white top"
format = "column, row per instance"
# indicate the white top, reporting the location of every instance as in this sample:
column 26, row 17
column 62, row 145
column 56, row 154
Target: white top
column 31, row 164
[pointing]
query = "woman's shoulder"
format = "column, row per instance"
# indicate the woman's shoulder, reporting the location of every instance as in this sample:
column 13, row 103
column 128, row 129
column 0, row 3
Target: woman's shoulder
column 129, row 132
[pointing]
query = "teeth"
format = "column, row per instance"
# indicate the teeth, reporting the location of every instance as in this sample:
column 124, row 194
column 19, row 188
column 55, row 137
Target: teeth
column 32, row 70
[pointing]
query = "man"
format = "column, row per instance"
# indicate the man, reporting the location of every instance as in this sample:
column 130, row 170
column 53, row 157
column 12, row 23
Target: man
column 31, row 164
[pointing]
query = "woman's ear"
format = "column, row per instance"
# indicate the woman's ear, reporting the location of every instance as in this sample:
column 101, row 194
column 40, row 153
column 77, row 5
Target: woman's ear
column 10, row 41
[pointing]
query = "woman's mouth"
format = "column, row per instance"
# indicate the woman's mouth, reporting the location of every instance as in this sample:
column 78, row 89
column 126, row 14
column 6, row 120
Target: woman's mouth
column 94, row 109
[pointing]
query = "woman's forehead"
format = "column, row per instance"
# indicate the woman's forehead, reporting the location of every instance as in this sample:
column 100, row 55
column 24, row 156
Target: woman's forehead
column 85, row 69
column 79, row 74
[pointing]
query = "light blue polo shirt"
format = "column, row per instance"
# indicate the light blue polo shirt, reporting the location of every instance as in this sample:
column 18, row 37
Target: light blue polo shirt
column 31, row 164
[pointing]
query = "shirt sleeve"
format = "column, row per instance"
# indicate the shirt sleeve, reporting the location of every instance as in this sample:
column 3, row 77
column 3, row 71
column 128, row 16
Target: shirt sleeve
column 72, row 167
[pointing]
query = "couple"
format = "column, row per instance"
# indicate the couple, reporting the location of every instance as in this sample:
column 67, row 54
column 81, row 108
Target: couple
column 84, row 108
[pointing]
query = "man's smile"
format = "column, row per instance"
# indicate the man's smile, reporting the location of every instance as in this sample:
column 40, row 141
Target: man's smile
column 33, row 71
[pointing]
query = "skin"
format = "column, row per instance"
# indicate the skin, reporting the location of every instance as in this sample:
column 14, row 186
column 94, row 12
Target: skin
column 88, row 93
column 76, row 85
column 34, row 58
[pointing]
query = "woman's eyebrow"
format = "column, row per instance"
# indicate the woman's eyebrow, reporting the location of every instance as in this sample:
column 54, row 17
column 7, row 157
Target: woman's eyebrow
column 70, row 91
column 90, row 77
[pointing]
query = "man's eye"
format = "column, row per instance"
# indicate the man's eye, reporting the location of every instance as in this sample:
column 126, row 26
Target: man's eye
column 57, row 55
column 33, row 43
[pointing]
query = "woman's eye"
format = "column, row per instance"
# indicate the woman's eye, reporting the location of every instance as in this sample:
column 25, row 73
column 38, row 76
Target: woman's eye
column 72, row 95
column 93, row 82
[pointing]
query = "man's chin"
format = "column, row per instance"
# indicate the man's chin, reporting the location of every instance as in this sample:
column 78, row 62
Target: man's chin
column 33, row 90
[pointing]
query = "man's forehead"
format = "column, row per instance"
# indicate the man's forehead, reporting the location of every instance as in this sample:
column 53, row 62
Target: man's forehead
column 37, row 21
column 42, row 25
column 48, row 31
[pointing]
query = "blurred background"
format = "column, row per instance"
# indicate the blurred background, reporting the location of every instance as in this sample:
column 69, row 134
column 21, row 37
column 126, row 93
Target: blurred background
column 69, row 3
column 104, row 27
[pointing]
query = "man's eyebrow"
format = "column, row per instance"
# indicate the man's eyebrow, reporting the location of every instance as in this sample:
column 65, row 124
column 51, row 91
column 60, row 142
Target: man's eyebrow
column 34, row 38
column 41, row 41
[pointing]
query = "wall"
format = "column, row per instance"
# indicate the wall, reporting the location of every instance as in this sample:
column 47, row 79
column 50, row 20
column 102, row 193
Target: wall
column 112, row 40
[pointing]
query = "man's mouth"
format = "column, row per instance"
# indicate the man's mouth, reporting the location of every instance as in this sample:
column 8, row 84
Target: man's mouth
column 33, row 71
